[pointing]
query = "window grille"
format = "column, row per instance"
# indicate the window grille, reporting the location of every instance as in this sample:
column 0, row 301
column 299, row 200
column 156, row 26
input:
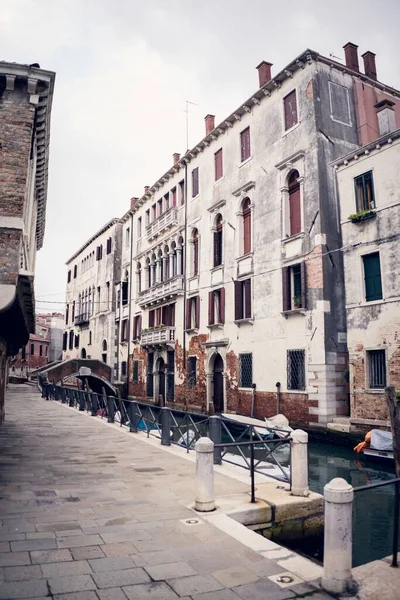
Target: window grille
column 296, row 377
column 192, row 371
column 246, row 370
column 135, row 371
column 377, row 368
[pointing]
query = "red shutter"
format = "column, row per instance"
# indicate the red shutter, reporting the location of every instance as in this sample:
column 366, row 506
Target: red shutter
column 218, row 165
column 245, row 144
column 290, row 108
column 151, row 318
column 247, row 230
column 196, row 256
column 195, row 182
column 222, row 306
column 303, row 284
column 197, row 300
column 286, row 299
column 188, row 323
column 238, row 300
column 174, row 197
column 294, row 209
column 211, row 308
column 247, row 297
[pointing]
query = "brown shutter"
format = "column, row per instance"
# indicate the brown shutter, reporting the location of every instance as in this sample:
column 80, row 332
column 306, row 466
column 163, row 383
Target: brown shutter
column 216, row 234
column 188, row 314
column 247, row 231
column 211, row 308
column 197, row 312
column 303, row 284
column 135, row 328
column 151, row 318
column 294, row 209
column 247, row 142
column 238, row 300
column 247, row 295
column 286, row 300
column 222, row 305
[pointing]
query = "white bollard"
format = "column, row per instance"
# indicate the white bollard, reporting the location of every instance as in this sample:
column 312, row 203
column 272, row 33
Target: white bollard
column 338, row 496
column 299, row 463
column 205, row 499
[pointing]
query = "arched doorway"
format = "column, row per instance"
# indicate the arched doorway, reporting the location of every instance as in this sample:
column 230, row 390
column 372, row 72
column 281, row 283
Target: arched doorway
column 83, row 353
column 160, row 374
column 218, row 384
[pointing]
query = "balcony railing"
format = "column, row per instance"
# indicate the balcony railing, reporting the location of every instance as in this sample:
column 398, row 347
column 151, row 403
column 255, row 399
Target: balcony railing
column 82, row 318
column 163, row 222
column 165, row 289
column 158, row 336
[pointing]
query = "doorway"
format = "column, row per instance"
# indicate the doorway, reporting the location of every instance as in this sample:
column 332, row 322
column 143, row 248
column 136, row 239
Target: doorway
column 218, row 384
column 83, row 353
column 161, row 377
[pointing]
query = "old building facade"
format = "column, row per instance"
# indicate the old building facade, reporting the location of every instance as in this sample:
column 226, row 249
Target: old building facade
column 369, row 198
column 26, row 94
column 90, row 298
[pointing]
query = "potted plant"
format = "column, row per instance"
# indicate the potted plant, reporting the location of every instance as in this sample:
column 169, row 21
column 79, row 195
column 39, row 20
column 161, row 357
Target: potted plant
column 362, row 215
column 297, row 302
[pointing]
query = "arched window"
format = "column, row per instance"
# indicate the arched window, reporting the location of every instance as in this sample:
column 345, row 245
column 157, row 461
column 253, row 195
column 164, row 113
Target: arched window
column 125, row 289
column 294, row 203
column 218, row 242
column 90, row 338
column 104, row 354
column 195, row 240
column 139, row 277
column 104, row 346
column 73, row 312
column 246, row 226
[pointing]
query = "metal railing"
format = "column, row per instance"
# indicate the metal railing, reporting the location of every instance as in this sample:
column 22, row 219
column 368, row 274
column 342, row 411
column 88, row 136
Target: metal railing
column 82, row 318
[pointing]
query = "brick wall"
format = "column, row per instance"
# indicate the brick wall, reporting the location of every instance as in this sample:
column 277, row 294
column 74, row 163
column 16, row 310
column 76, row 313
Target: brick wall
column 69, row 367
column 138, row 390
column 314, row 269
column 10, row 243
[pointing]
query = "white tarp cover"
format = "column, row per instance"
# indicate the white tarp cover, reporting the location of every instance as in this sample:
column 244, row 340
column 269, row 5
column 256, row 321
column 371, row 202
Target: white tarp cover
column 381, row 440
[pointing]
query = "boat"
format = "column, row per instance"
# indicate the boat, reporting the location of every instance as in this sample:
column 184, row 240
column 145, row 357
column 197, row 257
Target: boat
column 377, row 444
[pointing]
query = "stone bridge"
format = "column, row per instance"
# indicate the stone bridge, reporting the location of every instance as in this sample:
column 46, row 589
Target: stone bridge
column 96, row 372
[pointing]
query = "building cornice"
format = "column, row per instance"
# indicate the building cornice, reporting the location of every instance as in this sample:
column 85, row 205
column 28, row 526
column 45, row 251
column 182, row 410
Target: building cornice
column 376, row 145
column 90, row 240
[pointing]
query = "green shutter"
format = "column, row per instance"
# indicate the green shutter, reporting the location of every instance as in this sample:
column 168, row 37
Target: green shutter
column 372, row 274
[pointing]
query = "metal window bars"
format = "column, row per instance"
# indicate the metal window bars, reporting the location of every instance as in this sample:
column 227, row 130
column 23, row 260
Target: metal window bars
column 296, row 378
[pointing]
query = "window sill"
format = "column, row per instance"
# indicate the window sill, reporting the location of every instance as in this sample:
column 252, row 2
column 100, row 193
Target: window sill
column 365, row 303
column 244, row 256
column 124, row 342
column 218, row 180
column 293, row 311
column 295, row 392
column 221, row 266
column 240, row 322
column 291, row 238
column 216, row 326
column 374, row 390
column 245, row 161
column 192, row 330
column 295, row 126
column 245, row 389
column 195, row 197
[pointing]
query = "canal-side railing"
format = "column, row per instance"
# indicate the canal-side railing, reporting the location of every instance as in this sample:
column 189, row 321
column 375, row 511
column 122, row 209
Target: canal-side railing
column 268, row 450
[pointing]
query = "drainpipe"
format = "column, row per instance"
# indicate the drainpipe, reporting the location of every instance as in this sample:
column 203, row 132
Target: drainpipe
column 184, row 273
column 278, row 397
column 130, row 310
column 253, row 399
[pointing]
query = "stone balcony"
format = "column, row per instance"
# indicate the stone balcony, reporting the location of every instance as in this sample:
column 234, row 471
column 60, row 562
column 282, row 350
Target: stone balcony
column 162, row 223
column 158, row 336
column 82, row 319
column 161, row 291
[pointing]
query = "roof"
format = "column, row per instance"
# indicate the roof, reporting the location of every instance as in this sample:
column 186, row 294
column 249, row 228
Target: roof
column 40, row 85
column 307, row 57
column 375, row 145
column 35, row 337
column 90, row 240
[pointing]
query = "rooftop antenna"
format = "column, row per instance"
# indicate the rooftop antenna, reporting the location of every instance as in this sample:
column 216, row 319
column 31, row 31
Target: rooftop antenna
column 187, row 121
column 335, row 57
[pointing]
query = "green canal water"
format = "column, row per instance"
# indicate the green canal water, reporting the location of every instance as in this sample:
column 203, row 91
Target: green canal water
column 372, row 510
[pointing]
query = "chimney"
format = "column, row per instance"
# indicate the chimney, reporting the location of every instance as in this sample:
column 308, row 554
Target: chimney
column 351, row 56
column 146, row 189
column 210, row 123
column 176, row 156
column 386, row 116
column 264, row 72
column 369, row 64
column 133, row 201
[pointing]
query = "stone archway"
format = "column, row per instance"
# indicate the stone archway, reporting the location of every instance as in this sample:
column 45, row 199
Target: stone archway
column 216, row 400
column 83, row 353
column 159, row 379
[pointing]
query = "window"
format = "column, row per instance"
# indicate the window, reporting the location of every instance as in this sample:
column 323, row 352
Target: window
column 182, row 192
column 104, row 354
column 154, row 211
column 99, row 308
column 149, row 378
column 124, row 331
column 245, row 144
column 69, row 276
column 40, row 350
column 246, row 370
column 166, row 201
column 193, row 313
column 73, row 313
column 23, row 353
column 170, row 375
column 218, row 242
column 109, row 245
column 125, row 288
column 243, row 299
column 66, row 314
column 90, row 339
column 127, row 237
column 152, row 314
column 296, row 377
column 75, row 271
column 107, row 295
column 65, row 340
column 159, row 207
column 46, row 351
column 192, row 371
column 364, row 187
column 216, row 307
column 168, row 315
column 137, row 327
column 195, row 182
column 173, row 192
column 99, row 252
column 376, row 369
column 123, row 368
column 71, row 340
column 195, row 239
column 294, row 204
column 135, row 371
column 77, row 341
column 294, row 291
column 139, row 227
column 148, row 217
column 372, row 277
column 32, row 349
column 246, row 226
column 290, row 110
column 218, row 165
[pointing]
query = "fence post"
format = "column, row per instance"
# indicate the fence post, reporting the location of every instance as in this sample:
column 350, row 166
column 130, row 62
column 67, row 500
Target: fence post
column 110, row 409
column 205, row 498
column 71, row 402
column 338, row 496
column 82, row 400
column 165, row 420
column 214, row 430
column 94, row 404
column 133, row 417
column 299, row 463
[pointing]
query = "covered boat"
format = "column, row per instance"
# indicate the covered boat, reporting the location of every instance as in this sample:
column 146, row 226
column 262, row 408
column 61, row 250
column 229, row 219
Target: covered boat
column 377, row 444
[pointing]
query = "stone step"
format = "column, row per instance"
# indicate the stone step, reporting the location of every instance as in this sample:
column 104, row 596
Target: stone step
column 343, row 427
column 344, row 420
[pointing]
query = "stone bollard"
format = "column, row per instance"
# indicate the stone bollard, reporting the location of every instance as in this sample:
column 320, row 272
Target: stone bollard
column 205, row 499
column 338, row 495
column 299, row 463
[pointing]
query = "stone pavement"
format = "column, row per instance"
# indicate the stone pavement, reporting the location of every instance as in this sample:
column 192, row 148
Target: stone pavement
column 90, row 512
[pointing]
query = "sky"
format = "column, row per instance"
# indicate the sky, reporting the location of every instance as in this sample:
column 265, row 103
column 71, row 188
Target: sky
column 124, row 71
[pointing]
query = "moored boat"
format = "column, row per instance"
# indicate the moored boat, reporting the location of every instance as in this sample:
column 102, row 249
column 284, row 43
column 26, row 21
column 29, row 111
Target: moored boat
column 377, row 444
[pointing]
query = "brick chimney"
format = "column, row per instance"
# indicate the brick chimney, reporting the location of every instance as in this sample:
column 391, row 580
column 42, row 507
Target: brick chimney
column 386, row 116
column 210, row 123
column 264, row 72
column 369, row 64
column 351, row 56
column 176, row 156
column 146, row 188
column 133, row 201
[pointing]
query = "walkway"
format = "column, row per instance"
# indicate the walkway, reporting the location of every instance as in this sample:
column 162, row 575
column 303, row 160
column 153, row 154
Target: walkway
column 90, row 512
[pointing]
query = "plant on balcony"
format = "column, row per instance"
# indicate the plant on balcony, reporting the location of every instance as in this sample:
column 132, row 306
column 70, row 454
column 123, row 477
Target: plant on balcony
column 362, row 215
column 297, row 302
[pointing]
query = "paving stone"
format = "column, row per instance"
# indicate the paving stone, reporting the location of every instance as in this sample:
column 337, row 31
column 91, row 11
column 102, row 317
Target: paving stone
column 111, row 594
column 263, row 589
column 22, row 573
column 47, row 544
column 50, row 556
column 87, row 552
column 156, row 558
column 40, row 535
column 10, row 536
column 62, row 569
column 120, row 578
column 112, row 564
column 79, row 540
column 119, row 549
column 78, row 583
column 127, row 536
column 68, row 533
column 155, row 590
column 77, row 596
column 23, row 589
column 196, row 584
column 63, row 526
column 4, row 547
column 234, row 576
column 170, row 571
column 11, row 559
column 219, row 595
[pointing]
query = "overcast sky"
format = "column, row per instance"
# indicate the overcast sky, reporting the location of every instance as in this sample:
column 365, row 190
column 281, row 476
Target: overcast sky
column 124, row 71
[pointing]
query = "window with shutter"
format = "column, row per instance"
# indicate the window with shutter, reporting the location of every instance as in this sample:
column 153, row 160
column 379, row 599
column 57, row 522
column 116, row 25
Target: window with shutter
column 246, row 226
column 218, row 241
column 245, row 144
column 192, row 371
column 243, row 300
column 364, row 188
column 173, row 192
column 218, row 164
column 216, row 307
column 193, row 313
column 151, row 318
column 294, row 203
column 290, row 110
column 149, row 375
column 195, row 182
column 372, row 277
column 294, row 287
column 211, row 308
column 195, row 239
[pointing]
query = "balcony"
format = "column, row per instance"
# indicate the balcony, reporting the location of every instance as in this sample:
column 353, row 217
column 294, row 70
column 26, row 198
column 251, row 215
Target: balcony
column 159, row 336
column 161, row 291
column 162, row 223
column 82, row 319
